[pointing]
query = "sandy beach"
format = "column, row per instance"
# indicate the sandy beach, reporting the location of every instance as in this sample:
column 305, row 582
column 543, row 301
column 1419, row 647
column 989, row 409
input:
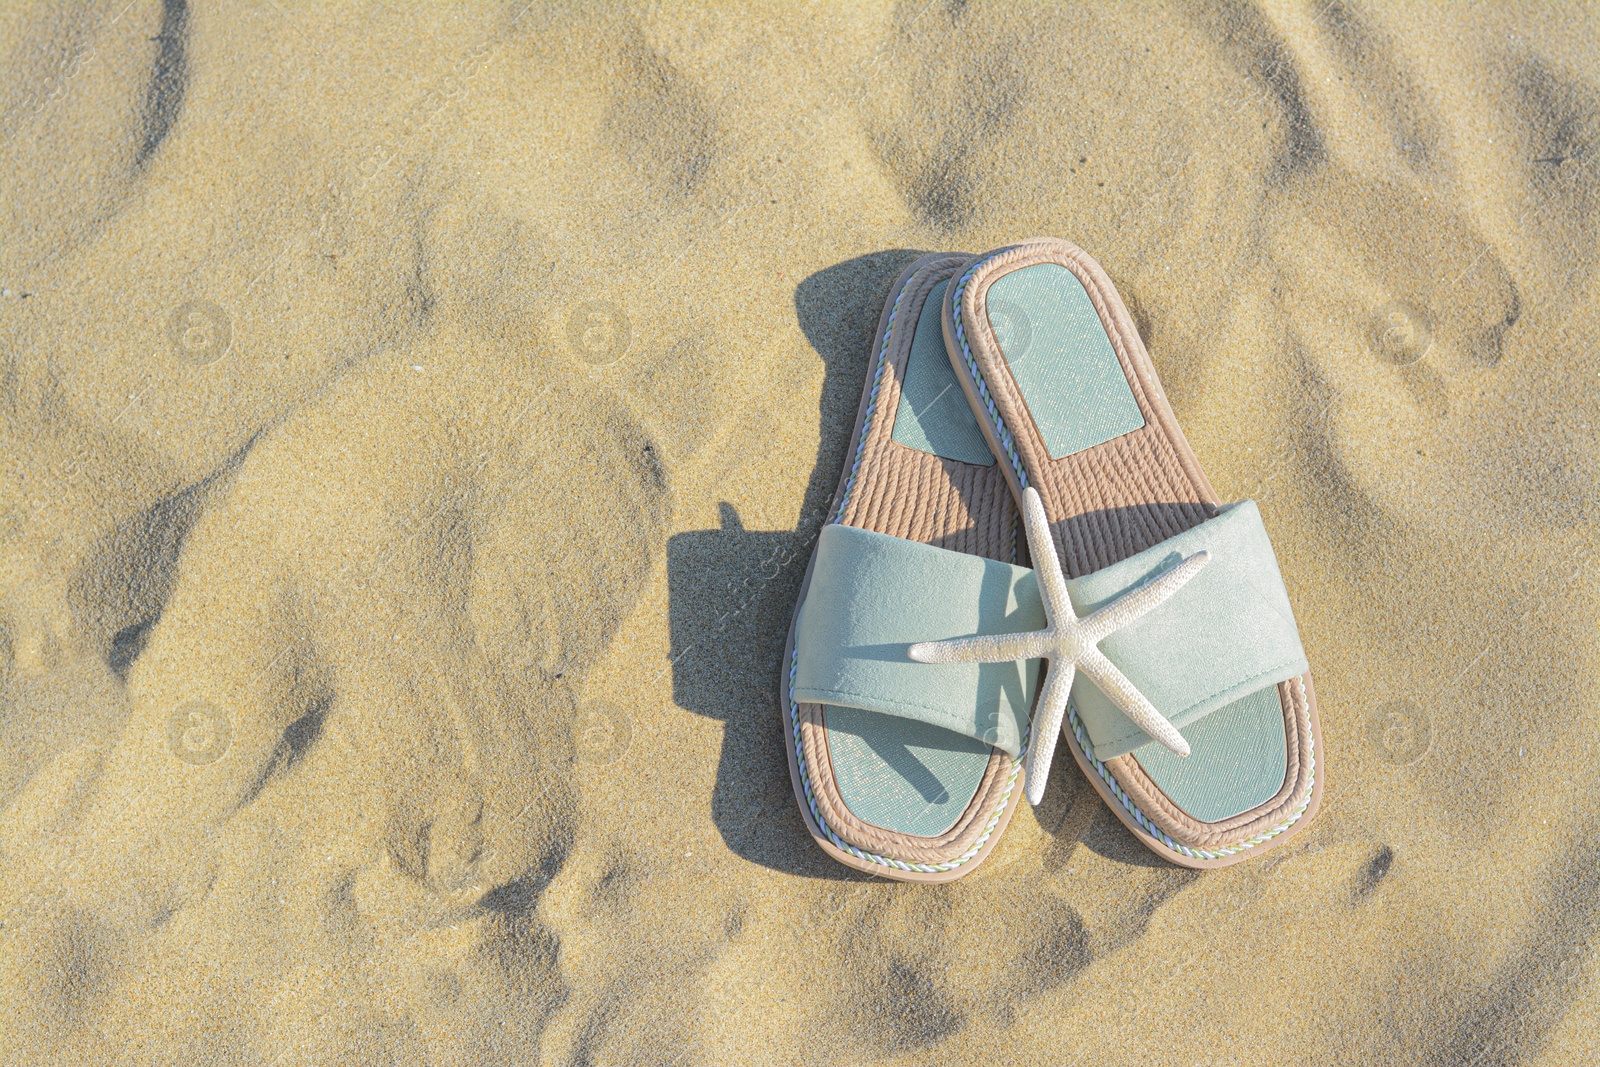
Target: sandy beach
column 415, row 421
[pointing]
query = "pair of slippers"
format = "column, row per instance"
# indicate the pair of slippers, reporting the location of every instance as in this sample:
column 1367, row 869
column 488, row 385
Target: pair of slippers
column 1022, row 548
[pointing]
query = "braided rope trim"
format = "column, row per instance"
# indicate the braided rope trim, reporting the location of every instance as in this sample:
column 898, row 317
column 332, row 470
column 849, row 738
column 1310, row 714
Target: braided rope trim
column 872, row 401
column 1007, row 442
column 1156, row 832
column 873, row 857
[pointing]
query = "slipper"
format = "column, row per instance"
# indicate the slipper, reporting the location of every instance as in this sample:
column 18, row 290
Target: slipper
column 901, row 769
column 1193, row 716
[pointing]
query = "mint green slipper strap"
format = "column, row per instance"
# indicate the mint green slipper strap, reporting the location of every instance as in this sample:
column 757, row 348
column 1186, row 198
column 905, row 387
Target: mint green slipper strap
column 872, row 596
column 1226, row 634
column 1229, row 632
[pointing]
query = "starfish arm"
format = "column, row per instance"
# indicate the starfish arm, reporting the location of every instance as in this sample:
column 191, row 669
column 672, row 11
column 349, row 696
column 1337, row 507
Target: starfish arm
column 1132, row 605
column 1048, row 711
column 1046, row 564
column 1115, row 685
column 992, row 648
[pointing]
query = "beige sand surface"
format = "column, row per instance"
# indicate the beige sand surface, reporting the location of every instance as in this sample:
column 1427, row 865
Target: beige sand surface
column 417, row 419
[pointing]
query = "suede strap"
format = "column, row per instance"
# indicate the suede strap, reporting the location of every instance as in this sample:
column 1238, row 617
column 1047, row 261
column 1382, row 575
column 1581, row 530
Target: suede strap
column 1227, row 634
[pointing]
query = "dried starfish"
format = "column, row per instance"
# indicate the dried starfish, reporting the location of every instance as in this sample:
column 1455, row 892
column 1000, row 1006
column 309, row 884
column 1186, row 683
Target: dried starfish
column 1070, row 644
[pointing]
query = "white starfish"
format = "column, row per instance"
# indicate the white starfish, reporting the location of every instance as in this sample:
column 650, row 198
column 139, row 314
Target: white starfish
column 1070, row 644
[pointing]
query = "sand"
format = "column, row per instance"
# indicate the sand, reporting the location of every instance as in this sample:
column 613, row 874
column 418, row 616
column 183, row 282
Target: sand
column 417, row 420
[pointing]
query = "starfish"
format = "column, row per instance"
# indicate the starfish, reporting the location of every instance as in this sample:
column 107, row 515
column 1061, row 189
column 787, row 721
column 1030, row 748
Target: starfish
column 1070, row 644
